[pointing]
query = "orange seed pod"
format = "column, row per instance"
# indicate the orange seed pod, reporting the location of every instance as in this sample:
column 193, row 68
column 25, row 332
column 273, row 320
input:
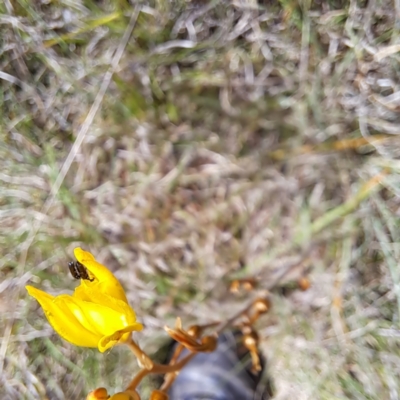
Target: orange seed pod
column 304, row 283
column 98, row 394
column 158, row 395
column 261, row 305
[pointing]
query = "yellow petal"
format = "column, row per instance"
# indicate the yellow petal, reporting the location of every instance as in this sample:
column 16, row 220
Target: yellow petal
column 63, row 320
column 104, row 281
column 120, row 336
column 99, row 319
column 92, row 295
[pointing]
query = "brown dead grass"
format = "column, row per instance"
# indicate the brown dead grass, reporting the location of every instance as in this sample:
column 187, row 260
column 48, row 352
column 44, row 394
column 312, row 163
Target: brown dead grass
column 222, row 139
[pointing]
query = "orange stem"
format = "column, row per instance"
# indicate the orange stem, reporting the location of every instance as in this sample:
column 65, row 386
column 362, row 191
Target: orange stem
column 159, row 369
column 143, row 359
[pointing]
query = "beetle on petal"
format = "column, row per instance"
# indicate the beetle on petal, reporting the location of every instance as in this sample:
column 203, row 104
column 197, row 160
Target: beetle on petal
column 97, row 314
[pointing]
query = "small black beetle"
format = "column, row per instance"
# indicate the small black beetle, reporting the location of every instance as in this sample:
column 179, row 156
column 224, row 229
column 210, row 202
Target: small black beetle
column 78, row 271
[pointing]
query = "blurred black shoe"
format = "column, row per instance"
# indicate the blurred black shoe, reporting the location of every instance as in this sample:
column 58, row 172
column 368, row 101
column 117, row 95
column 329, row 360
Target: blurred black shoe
column 224, row 374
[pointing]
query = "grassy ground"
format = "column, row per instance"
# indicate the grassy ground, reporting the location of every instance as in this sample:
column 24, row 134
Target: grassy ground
column 236, row 138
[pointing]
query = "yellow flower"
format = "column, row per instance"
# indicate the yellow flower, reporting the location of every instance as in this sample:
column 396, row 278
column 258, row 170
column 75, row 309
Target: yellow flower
column 97, row 314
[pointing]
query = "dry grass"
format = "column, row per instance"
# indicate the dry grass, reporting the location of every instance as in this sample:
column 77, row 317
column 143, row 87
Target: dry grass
column 224, row 147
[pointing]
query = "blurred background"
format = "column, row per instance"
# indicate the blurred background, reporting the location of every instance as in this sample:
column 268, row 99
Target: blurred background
column 235, row 139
